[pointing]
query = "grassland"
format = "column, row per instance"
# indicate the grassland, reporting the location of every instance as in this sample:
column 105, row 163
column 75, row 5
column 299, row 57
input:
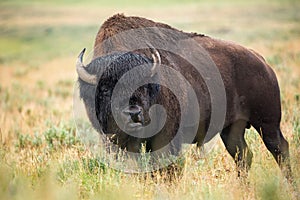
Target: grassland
column 40, row 156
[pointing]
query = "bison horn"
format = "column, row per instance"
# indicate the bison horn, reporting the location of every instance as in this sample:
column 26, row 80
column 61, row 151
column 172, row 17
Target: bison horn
column 156, row 60
column 82, row 73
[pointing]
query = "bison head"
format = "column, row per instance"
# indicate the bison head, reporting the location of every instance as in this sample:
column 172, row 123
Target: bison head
column 97, row 81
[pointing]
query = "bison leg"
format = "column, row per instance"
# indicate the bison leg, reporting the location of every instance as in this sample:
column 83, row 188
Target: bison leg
column 233, row 138
column 277, row 145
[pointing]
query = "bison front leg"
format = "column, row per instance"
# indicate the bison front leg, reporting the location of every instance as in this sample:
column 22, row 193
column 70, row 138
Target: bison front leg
column 233, row 138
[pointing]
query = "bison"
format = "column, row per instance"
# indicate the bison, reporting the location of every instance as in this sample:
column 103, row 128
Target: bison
column 251, row 89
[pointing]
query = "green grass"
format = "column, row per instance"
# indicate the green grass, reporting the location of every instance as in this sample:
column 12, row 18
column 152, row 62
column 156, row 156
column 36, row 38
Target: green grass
column 40, row 155
column 42, row 42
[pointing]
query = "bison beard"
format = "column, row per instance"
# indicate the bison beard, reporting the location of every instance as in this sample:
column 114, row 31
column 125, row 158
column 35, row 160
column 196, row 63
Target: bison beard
column 252, row 91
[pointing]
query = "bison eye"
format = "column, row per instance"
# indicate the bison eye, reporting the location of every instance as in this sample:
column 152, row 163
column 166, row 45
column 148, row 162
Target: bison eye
column 105, row 90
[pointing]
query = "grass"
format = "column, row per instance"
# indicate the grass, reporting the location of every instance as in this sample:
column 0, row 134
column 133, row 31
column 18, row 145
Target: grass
column 40, row 155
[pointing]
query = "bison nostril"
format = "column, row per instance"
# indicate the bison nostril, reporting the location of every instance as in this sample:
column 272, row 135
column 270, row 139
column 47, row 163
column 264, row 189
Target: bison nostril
column 135, row 116
column 134, row 112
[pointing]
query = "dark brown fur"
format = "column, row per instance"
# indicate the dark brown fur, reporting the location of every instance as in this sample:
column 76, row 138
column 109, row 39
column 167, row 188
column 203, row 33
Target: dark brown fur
column 252, row 91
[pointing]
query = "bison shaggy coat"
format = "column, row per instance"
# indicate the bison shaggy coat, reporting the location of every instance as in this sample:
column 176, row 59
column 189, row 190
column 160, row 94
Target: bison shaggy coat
column 252, row 92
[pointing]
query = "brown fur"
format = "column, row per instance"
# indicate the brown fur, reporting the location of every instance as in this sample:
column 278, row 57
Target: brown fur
column 251, row 87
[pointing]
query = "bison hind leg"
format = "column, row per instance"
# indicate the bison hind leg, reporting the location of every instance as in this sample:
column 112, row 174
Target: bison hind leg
column 277, row 145
column 234, row 141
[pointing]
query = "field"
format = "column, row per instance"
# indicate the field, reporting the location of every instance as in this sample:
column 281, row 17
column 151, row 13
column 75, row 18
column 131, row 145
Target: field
column 40, row 155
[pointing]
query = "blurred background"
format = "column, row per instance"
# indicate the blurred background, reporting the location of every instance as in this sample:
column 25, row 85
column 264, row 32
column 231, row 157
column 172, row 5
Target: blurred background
column 39, row 44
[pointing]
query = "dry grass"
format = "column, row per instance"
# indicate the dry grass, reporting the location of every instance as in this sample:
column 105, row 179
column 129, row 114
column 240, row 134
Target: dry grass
column 40, row 156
